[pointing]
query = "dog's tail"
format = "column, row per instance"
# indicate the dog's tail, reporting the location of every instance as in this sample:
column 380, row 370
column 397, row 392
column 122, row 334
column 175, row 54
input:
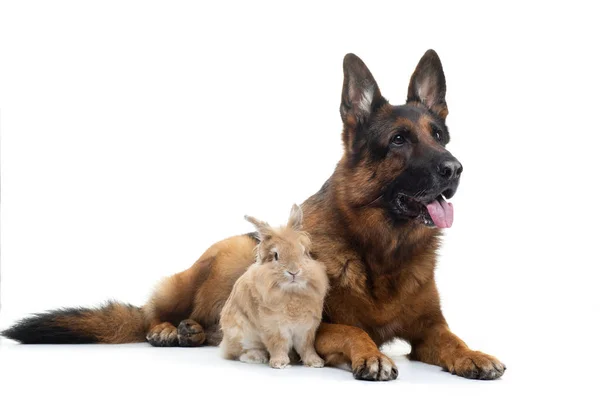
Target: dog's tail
column 111, row 323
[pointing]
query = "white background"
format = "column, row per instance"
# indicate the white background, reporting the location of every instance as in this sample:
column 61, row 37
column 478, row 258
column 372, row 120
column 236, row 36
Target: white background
column 135, row 134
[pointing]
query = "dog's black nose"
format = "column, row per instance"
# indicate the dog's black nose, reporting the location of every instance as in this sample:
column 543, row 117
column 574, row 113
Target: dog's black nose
column 450, row 169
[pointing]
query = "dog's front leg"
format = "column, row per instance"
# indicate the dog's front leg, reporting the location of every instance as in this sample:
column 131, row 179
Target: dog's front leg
column 439, row 346
column 339, row 344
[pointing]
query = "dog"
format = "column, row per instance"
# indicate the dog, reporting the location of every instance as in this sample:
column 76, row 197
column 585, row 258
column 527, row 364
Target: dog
column 375, row 224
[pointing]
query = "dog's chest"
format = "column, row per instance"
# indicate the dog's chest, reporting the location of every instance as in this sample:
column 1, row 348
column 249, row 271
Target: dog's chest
column 364, row 307
column 385, row 306
column 382, row 320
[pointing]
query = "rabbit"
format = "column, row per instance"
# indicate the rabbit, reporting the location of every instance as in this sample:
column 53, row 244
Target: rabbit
column 275, row 307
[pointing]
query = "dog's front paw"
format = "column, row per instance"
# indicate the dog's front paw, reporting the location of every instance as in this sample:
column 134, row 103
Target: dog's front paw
column 279, row 362
column 314, row 361
column 374, row 367
column 477, row 365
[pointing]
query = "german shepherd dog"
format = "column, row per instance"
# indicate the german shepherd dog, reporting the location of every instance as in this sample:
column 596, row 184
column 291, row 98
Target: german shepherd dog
column 376, row 225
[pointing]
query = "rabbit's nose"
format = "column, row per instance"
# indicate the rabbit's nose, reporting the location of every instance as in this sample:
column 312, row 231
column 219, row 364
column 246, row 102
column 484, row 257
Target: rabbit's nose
column 293, row 273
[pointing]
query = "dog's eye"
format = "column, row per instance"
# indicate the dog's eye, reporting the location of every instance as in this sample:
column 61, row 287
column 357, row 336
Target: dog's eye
column 437, row 135
column 398, row 140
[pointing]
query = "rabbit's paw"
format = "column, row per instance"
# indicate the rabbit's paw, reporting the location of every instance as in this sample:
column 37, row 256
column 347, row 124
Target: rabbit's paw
column 279, row 362
column 314, row 361
column 254, row 356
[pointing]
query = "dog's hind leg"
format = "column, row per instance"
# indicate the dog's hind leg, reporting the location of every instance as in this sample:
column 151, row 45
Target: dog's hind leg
column 168, row 310
column 185, row 308
column 229, row 260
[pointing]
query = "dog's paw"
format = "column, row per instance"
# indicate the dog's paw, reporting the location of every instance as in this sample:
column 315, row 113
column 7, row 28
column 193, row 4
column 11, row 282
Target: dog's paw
column 190, row 333
column 477, row 365
column 163, row 335
column 314, row 361
column 279, row 362
column 374, row 367
column 254, row 356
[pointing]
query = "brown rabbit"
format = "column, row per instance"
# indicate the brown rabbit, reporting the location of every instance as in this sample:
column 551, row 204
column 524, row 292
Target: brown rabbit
column 276, row 305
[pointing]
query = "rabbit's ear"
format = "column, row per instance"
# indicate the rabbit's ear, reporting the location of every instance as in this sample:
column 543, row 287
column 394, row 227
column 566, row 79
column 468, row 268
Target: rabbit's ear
column 262, row 227
column 295, row 221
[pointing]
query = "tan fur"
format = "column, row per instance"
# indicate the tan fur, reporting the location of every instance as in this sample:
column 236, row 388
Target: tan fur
column 271, row 309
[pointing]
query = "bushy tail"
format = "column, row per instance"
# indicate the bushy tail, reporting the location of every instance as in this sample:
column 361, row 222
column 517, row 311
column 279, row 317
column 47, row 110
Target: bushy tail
column 111, row 323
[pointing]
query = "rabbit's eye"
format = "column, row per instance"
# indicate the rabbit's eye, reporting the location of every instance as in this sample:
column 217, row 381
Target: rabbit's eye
column 276, row 256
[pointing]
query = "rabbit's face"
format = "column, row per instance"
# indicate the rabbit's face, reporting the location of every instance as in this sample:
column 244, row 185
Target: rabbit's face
column 286, row 255
column 284, row 252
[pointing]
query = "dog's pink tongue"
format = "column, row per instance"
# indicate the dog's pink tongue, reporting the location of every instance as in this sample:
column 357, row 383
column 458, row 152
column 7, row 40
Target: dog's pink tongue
column 441, row 213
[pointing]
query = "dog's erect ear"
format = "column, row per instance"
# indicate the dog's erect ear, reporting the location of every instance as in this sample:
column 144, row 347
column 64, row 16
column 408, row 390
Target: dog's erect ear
column 428, row 84
column 360, row 93
column 263, row 228
column 295, row 220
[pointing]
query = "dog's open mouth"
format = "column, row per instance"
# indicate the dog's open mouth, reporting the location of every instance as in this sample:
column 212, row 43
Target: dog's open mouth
column 437, row 212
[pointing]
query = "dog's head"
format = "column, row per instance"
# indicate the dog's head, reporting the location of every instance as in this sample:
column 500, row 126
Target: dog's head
column 395, row 156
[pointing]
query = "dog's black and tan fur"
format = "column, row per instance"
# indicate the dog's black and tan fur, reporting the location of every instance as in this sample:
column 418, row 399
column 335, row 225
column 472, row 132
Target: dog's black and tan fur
column 369, row 226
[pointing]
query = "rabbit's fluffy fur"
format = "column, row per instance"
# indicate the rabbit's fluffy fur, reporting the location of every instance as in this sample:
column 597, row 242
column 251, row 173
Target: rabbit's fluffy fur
column 276, row 305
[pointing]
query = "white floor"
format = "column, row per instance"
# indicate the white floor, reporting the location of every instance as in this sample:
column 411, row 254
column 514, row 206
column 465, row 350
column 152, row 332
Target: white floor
column 141, row 371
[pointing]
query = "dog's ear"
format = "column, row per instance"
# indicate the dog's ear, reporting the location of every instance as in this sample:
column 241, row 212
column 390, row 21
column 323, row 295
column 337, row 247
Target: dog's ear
column 428, row 84
column 360, row 93
column 264, row 229
column 295, row 220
